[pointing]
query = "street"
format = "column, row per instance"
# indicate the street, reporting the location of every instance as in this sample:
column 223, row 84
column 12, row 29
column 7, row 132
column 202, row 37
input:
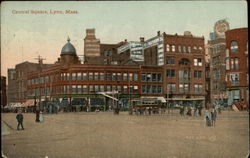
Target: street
column 105, row 135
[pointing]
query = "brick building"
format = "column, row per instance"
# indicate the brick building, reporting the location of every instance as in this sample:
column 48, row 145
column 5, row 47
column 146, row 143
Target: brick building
column 3, row 91
column 184, row 69
column 89, row 82
column 237, row 77
column 91, row 44
column 11, row 86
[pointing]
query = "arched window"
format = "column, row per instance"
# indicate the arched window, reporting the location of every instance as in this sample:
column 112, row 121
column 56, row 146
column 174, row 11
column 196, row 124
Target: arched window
column 234, row 47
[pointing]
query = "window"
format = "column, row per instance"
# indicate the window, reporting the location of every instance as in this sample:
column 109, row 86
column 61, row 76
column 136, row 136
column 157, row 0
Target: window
column 101, row 76
column 183, row 74
column 135, row 77
column 186, row 87
column 101, row 88
column 198, row 87
column 96, row 76
column 197, row 74
column 91, row 76
column 91, row 88
column 144, row 89
column 236, row 62
column 68, row 76
column 181, row 88
column 154, row 90
column 198, row 62
column 189, row 49
column 113, row 76
column 149, row 78
column 113, row 88
column 235, row 78
column 143, row 78
column 79, row 76
column 159, row 79
column 118, row 76
column 125, row 76
column 108, row 76
column 154, row 77
column 85, row 89
column 173, row 48
column 119, row 89
column 148, row 89
column 96, row 88
column 167, row 47
column 184, row 49
column 109, row 88
column 125, row 89
column 232, row 64
column 234, row 47
column 84, row 76
column 179, row 48
column 171, row 87
column 79, row 89
column 130, row 76
column 170, row 60
column 227, row 64
column 159, row 89
column 170, row 73
column 73, row 76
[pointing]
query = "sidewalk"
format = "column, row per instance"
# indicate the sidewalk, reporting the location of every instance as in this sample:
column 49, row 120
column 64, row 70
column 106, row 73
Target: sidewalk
column 5, row 129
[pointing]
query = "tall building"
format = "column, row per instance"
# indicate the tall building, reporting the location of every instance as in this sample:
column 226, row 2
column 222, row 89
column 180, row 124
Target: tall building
column 91, row 44
column 3, row 91
column 217, row 52
column 237, row 76
column 184, row 69
column 11, row 86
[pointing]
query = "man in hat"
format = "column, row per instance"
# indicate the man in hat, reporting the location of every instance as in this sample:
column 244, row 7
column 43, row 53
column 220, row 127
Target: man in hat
column 19, row 118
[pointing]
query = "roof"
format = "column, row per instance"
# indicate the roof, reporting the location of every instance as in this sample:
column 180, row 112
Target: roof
column 68, row 48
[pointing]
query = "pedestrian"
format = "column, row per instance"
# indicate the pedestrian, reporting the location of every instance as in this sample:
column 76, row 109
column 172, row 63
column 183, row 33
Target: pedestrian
column 41, row 119
column 19, row 118
column 213, row 116
column 37, row 115
column 208, row 119
column 189, row 112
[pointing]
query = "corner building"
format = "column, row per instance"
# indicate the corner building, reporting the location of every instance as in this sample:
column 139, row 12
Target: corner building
column 237, row 76
column 184, row 69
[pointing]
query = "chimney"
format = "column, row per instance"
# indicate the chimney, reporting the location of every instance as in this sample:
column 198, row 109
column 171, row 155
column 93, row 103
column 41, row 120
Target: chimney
column 158, row 33
column 141, row 39
column 125, row 40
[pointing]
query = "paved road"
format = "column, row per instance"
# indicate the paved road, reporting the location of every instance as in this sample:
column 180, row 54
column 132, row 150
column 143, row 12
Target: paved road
column 104, row 135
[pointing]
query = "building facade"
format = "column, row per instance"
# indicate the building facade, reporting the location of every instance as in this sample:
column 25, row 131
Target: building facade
column 91, row 44
column 12, row 95
column 3, row 91
column 94, row 82
column 237, row 77
column 217, row 52
column 184, row 69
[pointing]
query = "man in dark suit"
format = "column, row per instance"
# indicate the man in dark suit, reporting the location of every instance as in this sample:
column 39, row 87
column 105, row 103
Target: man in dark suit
column 19, row 118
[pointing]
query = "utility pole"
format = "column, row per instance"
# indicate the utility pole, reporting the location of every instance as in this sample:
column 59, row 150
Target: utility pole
column 40, row 62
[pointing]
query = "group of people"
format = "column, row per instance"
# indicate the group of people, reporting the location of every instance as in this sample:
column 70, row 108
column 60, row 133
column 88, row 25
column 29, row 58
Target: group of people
column 191, row 111
column 210, row 117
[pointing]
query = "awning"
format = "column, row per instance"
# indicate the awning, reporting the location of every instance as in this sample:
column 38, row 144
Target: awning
column 29, row 102
column 185, row 99
column 162, row 99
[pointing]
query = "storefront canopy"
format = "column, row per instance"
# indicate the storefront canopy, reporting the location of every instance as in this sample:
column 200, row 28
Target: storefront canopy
column 29, row 102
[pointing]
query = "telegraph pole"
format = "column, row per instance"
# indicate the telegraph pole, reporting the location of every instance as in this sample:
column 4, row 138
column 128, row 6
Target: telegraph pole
column 40, row 62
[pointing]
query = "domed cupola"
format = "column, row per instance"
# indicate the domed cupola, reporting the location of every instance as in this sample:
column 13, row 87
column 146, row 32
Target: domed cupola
column 68, row 49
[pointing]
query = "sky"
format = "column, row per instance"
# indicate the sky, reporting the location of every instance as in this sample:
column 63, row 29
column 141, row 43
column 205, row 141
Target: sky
column 25, row 36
